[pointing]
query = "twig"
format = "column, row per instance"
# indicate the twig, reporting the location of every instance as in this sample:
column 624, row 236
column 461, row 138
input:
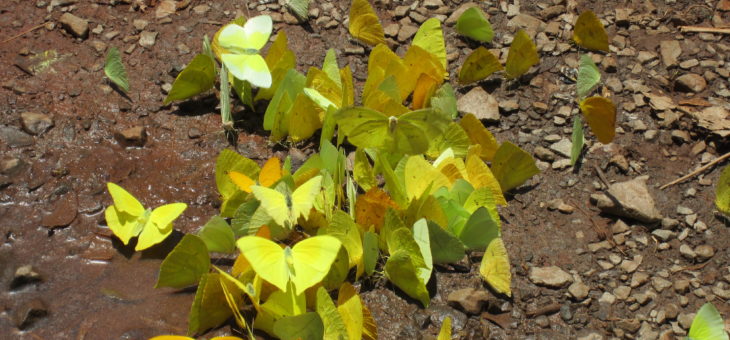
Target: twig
column 700, row 29
column 549, row 309
column 696, row 172
column 602, row 176
column 23, row 33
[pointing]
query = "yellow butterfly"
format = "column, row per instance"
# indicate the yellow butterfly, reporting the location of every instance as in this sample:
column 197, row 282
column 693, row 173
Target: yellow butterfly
column 127, row 218
column 600, row 114
column 270, row 173
column 285, row 209
column 589, row 33
column 495, row 267
column 364, row 23
column 305, row 264
column 478, row 65
column 521, row 56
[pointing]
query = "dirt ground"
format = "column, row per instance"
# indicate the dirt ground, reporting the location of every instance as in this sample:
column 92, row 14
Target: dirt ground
column 627, row 279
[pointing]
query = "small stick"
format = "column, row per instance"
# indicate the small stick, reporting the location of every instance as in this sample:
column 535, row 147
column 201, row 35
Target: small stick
column 23, row 33
column 696, row 172
column 700, row 29
column 549, row 309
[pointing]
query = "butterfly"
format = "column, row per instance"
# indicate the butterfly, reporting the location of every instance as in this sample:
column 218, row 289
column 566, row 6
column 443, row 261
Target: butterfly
column 270, row 173
column 286, row 208
column 722, row 192
column 521, row 56
column 478, row 65
column 474, row 24
column 588, row 76
column 364, row 23
column 305, row 264
column 707, row 325
column 589, row 32
column 243, row 45
column 600, row 113
column 127, row 218
column 495, row 267
column 409, row 133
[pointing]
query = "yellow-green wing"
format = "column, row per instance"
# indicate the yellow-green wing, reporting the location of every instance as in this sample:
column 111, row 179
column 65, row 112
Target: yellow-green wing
column 273, row 202
column 267, row 259
column 495, row 267
column 312, row 259
column 707, row 324
column 521, row 56
column 365, row 128
column 722, row 192
column 159, row 225
column 430, row 37
column 303, row 198
column 123, row 225
column 124, row 201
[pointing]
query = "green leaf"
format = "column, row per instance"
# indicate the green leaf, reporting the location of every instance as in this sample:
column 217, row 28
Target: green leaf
column 185, row 264
column 512, row 166
column 307, row 326
column 401, row 270
column 479, row 230
column 225, row 97
column 114, row 69
column 722, row 193
column 474, row 24
column 588, row 76
column 208, row 309
column 334, row 326
column 218, row 235
column 446, row 248
column 577, row 140
column 371, row 252
column 196, row 78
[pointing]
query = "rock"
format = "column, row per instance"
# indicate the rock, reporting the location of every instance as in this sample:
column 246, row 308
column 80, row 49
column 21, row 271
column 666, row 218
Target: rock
column 620, row 227
column 622, row 292
column 134, row 136
column 681, row 286
column 687, row 251
column 563, row 147
column 458, row 12
column 704, row 252
column 35, row 123
column 591, row 336
column 13, row 137
column 147, row 39
column 543, row 153
column 29, row 312
column 552, row 277
column 24, row 275
column 469, row 300
column 639, row 279
column 552, row 12
column 632, row 200
column 691, row 82
column 629, row 325
column 660, row 284
column 530, row 24
column 64, row 211
column 671, row 311
column 559, row 205
column 480, row 103
column 579, row 290
column 165, row 8
column 646, row 332
column 715, row 119
column 406, row 32
column 670, row 51
column 440, row 312
column 607, row 298
column 630, row 266
column 645, row 297
column 663, row 234
column 391, row 30
column 77, row 26
column 685, row 320
column 542, row 321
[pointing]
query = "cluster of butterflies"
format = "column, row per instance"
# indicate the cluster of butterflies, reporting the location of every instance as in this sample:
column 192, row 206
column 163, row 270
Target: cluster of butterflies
column 419, row 189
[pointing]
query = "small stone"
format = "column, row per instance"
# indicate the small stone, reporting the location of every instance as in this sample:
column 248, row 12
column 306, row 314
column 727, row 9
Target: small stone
column 543, row 153
column 579, row 290
column 622, row 292
column 35, row 123
column 480, row 103
column 147, row 39
column 77, row 26
column 201, row 9
column 671, row 311
column 28, row 313
column 629, row 325
column 639, row 279
column 469, row 300
column 439, row 312
column 607, row 298
column 685, row 319
column 644, row 298
column 134, row 136
column 140, row 24
column 552, row 277
column 391, row 30
column 14, row 137
column 563, row 147
column 670, row 51
column 660, row 284
column 634, row 201
column 691, row 82
column 630, row 266
column 663, row 234
column 194, row 133
column 24, row 275
column 646, row 332
column 704, row 252
column 681, row 286
column 620, row 227
column 406, row 32
column 687, row 251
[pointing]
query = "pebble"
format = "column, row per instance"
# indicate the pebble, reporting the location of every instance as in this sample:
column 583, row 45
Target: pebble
column 480, row 103
column 406, row 32
column 147, row 39
column 687, row 251
column 660, row 284
column 639, row 279
column 645, row 297
column 194, row 133
column 704, row 252
column 634, row 201
column 685, row 319
column 552, row 277
column 14, row 137
column 469, row 300
column 440, row 312
column 622, row 292
column 607, row 298
column 30, row 312
column 663, row 234
column 563, row 147
column 629, row 325
column 544, row 154
column 681, row 286
column 24, row 275
column 78, row 27
column 691, row 82
column 579, row 290
column 134, row 136
column 35, row 123
column 630, row 266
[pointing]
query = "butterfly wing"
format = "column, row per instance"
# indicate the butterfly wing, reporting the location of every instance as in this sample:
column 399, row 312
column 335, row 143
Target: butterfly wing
column 312, row 259
column 364, row 23
column 242, row 181
column 600, row 114
column 589, row 32
column 495, row 267
column 274, row 203
column 257, row 31
column 521, row 56
column 124, row 201
column 707, row 324
column 478, row 65
column 363, row 127
column 249, row 67
column 122, row 224
column 303, row 197
column 270, row 172
column 267, row 259
column 159, row 225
